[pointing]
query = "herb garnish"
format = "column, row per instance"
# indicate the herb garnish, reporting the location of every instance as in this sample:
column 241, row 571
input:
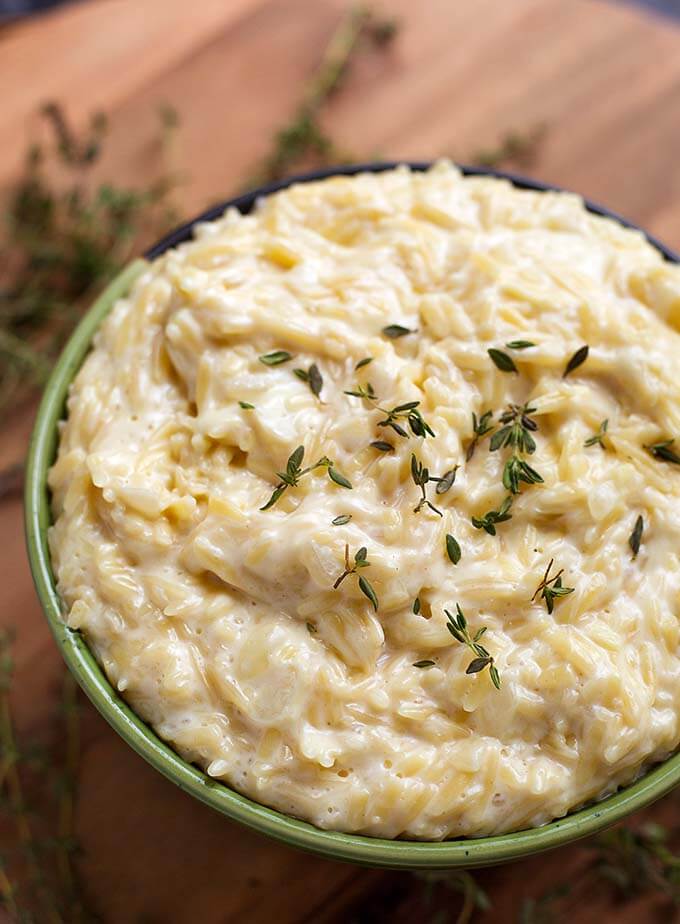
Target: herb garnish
column 360, row 561
column 548, row 592
column 663, row 451
column 423, row 664
column 480, row 428
column 516, row 433
column 452, row 548
column 598, row 438
column 311, row 628
column 312, row 377
column 382, row 446
column 636, row 536
column 419, row 426
column 421, row 477
column 576, row 360
column 246, row 405
column 275, row 358
column 445, row 483
column 416, row 605
column 367, row 392
column 520, row 344
column 363, row 362
column 408, row 411
column 457, row 626
column 395, row 331
column 294, row 471
column 342, row 519
column 502, row 361
column 489, row 520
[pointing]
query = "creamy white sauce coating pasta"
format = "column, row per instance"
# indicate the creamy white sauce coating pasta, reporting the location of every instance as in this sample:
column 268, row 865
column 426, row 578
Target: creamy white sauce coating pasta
column 219, row 622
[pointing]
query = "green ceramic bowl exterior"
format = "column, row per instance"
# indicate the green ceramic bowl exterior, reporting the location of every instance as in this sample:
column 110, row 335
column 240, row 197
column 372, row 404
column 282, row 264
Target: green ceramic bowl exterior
column 353, row 848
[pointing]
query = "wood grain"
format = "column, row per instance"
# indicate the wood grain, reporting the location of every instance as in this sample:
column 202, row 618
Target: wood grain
column 606, row 81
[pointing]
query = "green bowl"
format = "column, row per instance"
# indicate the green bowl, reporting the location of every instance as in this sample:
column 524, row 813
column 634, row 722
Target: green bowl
column 368, row 851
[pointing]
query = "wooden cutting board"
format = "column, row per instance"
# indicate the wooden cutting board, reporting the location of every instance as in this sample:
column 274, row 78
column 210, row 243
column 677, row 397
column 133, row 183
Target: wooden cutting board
column 604, row 78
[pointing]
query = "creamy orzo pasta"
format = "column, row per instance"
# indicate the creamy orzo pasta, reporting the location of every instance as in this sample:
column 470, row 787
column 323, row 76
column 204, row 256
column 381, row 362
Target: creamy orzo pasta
column 300, row 635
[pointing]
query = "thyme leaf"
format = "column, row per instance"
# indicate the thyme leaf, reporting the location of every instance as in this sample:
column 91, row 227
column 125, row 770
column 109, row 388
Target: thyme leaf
column 395, row 331
column 576, row 360
column 312, row 377
column 382, row 446
column 275, row 358
column 363, row 362
column 636, row 536
column 445, row 483
column 520, row 344
column 502, row 361
column 246, row 405
column 452, row 548
column 423, row 664
column 663, row 450
column 342, row 519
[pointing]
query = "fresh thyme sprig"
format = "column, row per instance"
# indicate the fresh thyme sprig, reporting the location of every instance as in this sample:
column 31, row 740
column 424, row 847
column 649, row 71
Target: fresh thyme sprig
column 458, row 627
column 360, row 561
column 516, row 434
column 492, row 517
column 408, row 411
column 312, row 377
column 662, row 450
column 421, row 478
column 294, row 472
column 551, row 588
column 480, row 428
column 597, row 439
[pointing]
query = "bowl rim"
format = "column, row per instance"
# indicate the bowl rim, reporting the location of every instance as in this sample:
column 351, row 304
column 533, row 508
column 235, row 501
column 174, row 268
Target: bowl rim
column 356, row 848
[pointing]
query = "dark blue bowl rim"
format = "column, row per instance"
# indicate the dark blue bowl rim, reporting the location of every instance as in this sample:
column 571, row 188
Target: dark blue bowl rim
column 245, row 202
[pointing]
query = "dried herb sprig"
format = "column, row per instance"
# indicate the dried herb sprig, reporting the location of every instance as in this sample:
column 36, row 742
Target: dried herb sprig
column 489, row 520
column 64, row 239
column 520, row 147
column 597, row 439
column 294, row 472
column 360, row 561
column 551, row 588
column 458, row 627
column 303, row 138
column 480, row 427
